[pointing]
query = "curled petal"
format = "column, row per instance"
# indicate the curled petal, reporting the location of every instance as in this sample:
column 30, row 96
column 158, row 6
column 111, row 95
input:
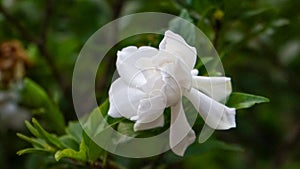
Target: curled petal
column 126, row 52
column 181, row 133
column 179, row 73
column 215, row 114
column 218, row 88
column 151, row 108
column 124, row 100
column 126, row 64
column 158, row 122
column 113, row 112
column 154, row 82
column 176, row 45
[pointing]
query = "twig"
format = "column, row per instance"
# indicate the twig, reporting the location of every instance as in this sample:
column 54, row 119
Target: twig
column 18, row 26
column 116, row 6
column 45, row 23
column 41, row 42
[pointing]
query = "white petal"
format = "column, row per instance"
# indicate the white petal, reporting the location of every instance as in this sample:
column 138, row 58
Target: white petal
column 150, row 113
column 125, row 52
column 159, row 122
column 170, row 66
column 151, row 108
column 113, row 112
column 215, row 114
column 126, row 64
column 154, row 82
column 124, row 100
column 218, row 88
column 176, row 45
column 179, row 73
column 181, row 133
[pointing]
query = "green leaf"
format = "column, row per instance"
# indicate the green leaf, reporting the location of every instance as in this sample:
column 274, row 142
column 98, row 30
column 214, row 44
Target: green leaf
column 95, row 124
column 93, row 151
column 35, row 98
column 227, row 146
column 126, row 128
column 74, row 130
column 33, row 150
column 49, row 138
column 104, row 107
column 32, row 129
column 209, row 145
column 204, row 61
column 184, row 27
column 70, row 153
column 35, row 142
column 243, row 100
column 197, row 149
column 69, row 142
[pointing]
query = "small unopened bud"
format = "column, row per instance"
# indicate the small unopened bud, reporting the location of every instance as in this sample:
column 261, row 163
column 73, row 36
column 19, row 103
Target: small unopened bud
column 219, row 14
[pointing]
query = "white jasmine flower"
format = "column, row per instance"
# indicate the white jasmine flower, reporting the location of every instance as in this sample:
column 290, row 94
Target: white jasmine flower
column 152, row 79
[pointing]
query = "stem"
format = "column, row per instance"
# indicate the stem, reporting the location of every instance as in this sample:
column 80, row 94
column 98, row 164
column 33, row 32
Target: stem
column 116, row 6
column 18, row 26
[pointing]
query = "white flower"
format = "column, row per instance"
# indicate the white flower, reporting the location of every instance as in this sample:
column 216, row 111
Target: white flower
column 151, row 80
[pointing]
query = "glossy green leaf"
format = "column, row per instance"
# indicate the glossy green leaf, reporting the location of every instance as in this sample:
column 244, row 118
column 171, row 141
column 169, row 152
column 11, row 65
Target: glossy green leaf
column 69, row 142
column 74, row 130
column 71, row 153
column 93, row 151
column 197, row 149
column 243, row 100
column 33, row 130
column 96, row 123
column 126, row 128
column 35, row 98
column 33, row 150
column 209, row 145
column 204, row 60
column 34, row 141
column 49, row 138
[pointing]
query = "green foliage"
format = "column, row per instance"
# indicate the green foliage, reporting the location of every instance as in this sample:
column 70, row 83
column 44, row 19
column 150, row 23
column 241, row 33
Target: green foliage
column 71, row 153
column 78, row 141
column 243, row 100
column 35, row 98
column 258, row 42
column 75, row 144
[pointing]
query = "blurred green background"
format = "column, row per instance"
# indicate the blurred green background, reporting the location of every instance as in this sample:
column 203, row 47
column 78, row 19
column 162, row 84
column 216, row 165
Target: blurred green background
column 258, row 41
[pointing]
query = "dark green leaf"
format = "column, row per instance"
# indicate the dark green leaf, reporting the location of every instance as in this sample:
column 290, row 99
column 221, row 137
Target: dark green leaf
column 33, row 150
column 49, row 138
column 70, row 153
column 204, row 60
column 74, row 129
column 35, row 142
column 243, row 100
column 35, row 98
column 93, row 151
column 126, row 128
column 69, row 142
column 32, row 129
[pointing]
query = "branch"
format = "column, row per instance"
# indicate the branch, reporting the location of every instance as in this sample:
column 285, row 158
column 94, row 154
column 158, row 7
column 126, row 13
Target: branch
column 45, row 23
column 18, row 26
column 116, row 7
column 40, row 42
